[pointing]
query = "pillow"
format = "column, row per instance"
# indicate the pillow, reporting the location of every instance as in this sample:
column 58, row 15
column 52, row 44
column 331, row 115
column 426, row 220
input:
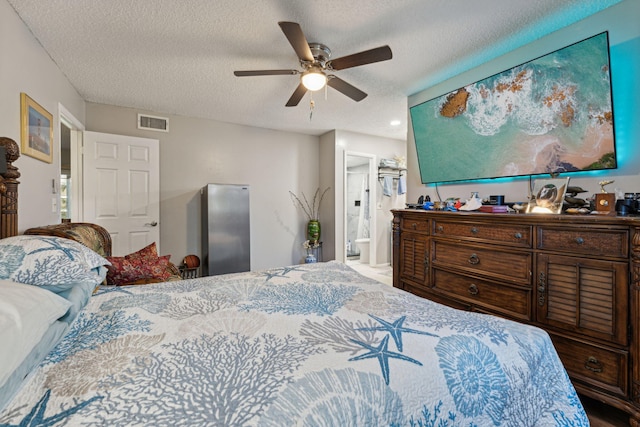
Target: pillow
column 137, row 270
column 53, row 263
column 26, row 312
column 148, row 252
column 78, row 296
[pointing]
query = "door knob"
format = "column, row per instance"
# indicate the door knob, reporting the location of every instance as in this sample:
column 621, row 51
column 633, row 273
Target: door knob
column 151, row 224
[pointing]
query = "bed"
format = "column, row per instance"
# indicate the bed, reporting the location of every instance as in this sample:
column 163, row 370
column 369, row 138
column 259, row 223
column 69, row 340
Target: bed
column 311, row 344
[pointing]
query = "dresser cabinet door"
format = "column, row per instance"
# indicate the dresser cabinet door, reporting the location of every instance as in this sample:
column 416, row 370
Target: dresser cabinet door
column 414, row 253
column 585, row 296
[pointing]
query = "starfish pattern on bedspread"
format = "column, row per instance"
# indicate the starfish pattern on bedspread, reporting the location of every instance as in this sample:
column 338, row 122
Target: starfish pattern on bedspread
column 395, row 329
column 382, row 353
column 36, row 417
column 279, row 272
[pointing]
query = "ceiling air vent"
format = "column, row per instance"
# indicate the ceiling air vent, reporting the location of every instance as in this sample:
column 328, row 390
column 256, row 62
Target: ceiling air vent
column 147, row 122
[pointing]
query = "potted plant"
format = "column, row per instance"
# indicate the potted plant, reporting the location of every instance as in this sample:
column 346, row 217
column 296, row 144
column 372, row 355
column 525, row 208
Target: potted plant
column 311, row 210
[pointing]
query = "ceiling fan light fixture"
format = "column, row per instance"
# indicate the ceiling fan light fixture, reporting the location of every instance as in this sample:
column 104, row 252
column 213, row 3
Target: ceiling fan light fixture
column 314, row 79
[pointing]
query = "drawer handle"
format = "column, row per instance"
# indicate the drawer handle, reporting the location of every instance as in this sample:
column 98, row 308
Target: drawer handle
column 473, row 289
column 440, row 229
column 594, row 365
column 474, row 260
column 474, row 230
column 542, row 286
column 579, row 240
column 414, row 225
column 518, row 235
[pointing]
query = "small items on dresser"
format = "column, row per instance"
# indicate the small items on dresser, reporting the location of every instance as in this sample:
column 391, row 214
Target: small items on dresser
column 605, row 202
column 190, row 267
column 494, row 208
column 630, row 205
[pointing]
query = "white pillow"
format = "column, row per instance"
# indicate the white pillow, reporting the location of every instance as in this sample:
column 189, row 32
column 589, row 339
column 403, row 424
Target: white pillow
column 26, row 312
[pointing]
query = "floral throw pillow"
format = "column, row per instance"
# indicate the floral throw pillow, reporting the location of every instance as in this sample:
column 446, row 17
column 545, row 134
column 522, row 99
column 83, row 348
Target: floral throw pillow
column 148, row 252
column 141, row 267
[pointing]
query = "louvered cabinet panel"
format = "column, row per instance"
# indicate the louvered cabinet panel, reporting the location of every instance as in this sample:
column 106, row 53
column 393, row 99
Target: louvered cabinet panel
column 414, row 254
column 583, row 296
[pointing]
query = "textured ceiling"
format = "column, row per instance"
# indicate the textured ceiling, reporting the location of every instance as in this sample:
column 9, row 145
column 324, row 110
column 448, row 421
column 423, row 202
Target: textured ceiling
column 178, row 57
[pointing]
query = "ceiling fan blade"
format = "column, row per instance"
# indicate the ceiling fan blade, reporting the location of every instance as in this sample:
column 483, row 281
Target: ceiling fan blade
column 370, row 56
column 297, row 96
column 265, row 73
column 296, row 38
column 347, row 89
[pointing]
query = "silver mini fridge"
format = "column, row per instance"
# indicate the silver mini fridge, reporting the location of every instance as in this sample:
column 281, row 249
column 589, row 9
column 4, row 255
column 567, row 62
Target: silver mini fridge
column 225, row 229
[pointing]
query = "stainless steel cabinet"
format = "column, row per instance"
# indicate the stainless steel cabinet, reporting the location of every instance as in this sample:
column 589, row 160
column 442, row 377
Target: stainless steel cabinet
column 226, row 246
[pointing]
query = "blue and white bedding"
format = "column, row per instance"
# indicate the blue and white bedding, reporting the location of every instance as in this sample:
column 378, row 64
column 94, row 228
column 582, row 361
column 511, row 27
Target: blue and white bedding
column 314, row 344
column 44, row 283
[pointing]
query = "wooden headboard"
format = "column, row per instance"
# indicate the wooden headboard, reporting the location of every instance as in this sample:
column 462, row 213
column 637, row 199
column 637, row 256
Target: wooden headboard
column 9, row 189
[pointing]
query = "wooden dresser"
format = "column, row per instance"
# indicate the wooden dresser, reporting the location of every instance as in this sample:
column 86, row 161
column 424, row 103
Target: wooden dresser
column 577, row 277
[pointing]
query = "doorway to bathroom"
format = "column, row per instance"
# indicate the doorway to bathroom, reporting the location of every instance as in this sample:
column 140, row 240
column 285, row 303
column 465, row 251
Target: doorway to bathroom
column 360, row 209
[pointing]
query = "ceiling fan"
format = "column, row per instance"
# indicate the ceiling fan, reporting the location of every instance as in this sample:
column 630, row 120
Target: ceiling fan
column 317, row 65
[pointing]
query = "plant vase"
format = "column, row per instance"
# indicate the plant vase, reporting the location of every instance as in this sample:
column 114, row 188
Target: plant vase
column 313, row 231
column 310, row 258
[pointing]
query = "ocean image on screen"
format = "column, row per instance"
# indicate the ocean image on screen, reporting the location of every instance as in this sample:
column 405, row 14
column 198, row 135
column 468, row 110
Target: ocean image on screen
column 552, row 114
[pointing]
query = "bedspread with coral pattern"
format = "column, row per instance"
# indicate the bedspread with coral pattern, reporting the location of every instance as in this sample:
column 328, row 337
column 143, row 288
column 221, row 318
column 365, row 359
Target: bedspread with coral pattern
column 314, row 344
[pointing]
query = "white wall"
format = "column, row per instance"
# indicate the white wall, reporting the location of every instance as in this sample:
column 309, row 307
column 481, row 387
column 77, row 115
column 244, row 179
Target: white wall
column 621, row 21
column 333, row 146
column 26, row 67
column 196, row 152
column 328, row 215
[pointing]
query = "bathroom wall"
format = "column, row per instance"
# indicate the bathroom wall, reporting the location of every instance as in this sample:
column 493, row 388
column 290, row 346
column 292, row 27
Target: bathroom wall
column 357, row 178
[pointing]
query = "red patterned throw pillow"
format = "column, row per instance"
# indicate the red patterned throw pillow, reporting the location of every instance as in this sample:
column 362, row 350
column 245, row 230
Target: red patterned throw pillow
column 141, row 267
column 148, row 252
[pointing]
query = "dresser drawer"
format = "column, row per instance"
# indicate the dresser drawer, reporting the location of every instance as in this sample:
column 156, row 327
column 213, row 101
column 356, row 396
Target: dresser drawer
column 486, row 260
column 513, row 235
column 597, row 366
column 417, row 223
column 427, row 293
column 594, row 242
column 511, row 301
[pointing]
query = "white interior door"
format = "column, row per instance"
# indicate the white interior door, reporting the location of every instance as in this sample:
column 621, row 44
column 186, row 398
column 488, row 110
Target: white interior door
column 121, row 189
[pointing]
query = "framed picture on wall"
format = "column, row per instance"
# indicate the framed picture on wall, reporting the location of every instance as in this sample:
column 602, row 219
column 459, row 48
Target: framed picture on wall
column 36, row 130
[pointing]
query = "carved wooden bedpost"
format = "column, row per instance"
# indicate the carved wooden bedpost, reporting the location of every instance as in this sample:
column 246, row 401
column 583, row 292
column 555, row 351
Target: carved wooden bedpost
column 9, row 195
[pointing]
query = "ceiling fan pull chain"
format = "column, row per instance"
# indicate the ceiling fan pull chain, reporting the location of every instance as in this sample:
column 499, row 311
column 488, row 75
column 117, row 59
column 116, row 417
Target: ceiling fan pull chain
column 311, row 105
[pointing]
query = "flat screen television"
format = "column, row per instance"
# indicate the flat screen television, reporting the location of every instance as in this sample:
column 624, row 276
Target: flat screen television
column 553, row 114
